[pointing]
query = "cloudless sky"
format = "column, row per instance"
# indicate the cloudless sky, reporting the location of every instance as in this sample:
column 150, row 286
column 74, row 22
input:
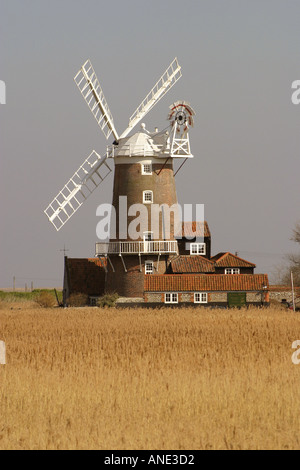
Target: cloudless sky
column 238, row 59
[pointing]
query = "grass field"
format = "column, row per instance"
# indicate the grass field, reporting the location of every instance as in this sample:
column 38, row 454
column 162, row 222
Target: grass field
column 90, row 378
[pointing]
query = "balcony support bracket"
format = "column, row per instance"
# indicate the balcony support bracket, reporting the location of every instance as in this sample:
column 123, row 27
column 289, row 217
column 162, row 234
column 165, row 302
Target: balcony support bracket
column 111, row 265
column 124, row 265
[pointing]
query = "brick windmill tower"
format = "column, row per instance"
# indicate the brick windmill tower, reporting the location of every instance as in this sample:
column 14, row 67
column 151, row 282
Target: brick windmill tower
column 144, row 193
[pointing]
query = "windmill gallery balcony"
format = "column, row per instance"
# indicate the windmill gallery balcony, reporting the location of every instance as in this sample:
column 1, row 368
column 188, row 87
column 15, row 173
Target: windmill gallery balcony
column 158, row 247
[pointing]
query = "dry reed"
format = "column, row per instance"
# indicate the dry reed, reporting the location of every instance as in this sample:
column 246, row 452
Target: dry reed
column 88, row 378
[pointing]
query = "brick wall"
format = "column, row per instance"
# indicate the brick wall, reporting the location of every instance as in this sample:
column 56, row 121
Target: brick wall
column 131, row 283
column 128, row 181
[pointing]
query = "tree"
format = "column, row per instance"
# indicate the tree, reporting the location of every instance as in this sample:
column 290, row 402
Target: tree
column 293, row 260
column 296, row 233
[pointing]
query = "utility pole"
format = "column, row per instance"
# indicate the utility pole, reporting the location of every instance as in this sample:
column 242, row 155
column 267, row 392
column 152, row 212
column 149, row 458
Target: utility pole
column 14, row 283
column 64, row 250
column 293, row 293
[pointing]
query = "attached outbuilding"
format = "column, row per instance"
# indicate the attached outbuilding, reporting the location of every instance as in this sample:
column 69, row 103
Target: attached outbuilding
column 84, row 276
column 208, row 289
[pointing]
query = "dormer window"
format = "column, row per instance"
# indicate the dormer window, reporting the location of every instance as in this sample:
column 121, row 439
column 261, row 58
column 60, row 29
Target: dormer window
column 197, row 249
column 147, row 197
column 146, row 169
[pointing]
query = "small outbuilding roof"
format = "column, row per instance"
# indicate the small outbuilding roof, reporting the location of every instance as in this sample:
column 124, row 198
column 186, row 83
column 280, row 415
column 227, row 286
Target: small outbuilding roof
column 192, row 264
column 228, row 260
column 194, row 230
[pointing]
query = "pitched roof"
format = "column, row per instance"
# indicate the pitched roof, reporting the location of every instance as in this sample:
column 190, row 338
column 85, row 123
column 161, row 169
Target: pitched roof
column 86, row 275
column 228, row 260
column 281, row 288
column 205, row 282
column 192, row 264
column 194, row 229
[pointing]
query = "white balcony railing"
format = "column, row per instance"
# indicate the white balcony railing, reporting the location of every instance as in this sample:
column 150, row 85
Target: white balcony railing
column 135, row 150
column 136, row 247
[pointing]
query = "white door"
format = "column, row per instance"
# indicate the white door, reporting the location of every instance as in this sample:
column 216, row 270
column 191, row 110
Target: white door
column 148, row 245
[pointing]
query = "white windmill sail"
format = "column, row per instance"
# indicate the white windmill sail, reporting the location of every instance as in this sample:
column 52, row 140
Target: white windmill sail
column 90, row 88
column 84, row 181
column 94, row 170
column 162, row 86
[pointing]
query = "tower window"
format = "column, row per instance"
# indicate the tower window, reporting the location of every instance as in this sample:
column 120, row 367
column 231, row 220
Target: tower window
column 146, row 169
column 149, row 267
column 148, row 236
column 197, row 249
column 147, row 197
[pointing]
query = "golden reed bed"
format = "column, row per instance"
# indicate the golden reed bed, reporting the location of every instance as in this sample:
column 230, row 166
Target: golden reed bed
column 88, row 378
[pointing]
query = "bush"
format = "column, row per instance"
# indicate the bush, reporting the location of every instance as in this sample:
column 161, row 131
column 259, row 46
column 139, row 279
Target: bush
column 107, row 300
column 46, row 299
column 78, row 300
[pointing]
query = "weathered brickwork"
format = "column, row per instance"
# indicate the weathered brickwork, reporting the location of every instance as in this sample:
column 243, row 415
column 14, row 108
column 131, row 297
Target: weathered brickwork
column 129, row 182
column 131, row 283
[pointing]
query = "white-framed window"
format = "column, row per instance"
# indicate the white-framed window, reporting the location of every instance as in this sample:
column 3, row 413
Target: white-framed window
column 148, row 236
column 200, row 297
column 147, row 197
column 146, row 169
column 197, row 248
column 148, row 241
column 93, row 301
column 149, row 267
column 232, row 270
column 171, row 298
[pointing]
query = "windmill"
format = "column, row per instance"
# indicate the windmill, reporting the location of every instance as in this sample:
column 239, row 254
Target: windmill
column 144, row 173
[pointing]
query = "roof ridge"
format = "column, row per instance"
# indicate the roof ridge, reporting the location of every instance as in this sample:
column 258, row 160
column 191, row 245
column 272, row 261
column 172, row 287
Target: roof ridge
column 227, row 254
column 238, row 257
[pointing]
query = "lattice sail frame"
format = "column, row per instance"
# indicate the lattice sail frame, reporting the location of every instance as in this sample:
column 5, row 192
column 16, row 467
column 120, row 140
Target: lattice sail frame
column 82, row 184
column 162, row 86
column 89, row 86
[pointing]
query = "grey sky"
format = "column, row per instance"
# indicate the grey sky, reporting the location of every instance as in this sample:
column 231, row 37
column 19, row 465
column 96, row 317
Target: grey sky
column 238, row 59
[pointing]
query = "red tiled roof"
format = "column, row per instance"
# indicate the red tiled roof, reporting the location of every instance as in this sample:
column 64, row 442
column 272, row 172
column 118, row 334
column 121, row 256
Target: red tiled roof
column 228, row 260
column 194, row 229
column 192, row 264
column 86, row 275
column 283, row 288
column 205, row 282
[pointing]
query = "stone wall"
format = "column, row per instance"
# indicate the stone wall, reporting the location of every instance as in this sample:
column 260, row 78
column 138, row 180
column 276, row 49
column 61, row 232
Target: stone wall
column 214, row 298
column 217, row 297
column 281, row 293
